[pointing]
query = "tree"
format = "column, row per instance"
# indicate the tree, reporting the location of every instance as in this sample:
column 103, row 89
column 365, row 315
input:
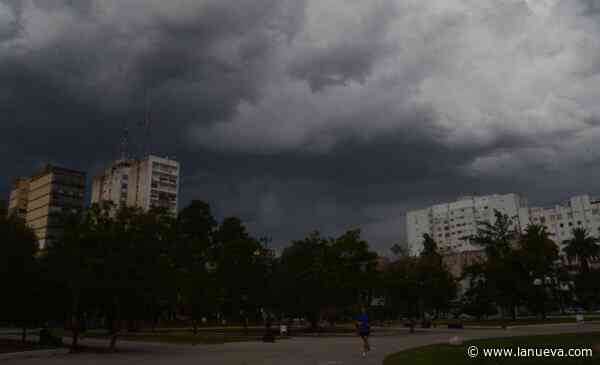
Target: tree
column 403, row 290
column 69, row 261
column 477, row 300
column 400, row 250
column 240, row 269
column 138, row 266
column 3, row 208
column 18, row 271
column 582, row 247
column 538, row 254
column 303, row 278
column 437, row 287
column 502, row 269
column 317, row 275
column 195, row 239
column 495, row 238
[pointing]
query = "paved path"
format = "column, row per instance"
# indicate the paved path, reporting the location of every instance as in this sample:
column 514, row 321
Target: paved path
column 297, row 351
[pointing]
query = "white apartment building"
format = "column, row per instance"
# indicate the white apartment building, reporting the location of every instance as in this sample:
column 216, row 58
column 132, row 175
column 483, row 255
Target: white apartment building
column 579, row 212
column 146, row 183
column 450, row 223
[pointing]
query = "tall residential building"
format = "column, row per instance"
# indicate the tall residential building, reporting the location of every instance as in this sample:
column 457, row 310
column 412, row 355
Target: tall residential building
column 42, row 199
column 579, row 212
column 450, row 223
column 17, row 203
column 146, row 183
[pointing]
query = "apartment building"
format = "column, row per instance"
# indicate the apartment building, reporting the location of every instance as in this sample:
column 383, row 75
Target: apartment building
column 450, row 223
column 17, row 203
column 42, row 199
column 578, row 212
column 146, row 183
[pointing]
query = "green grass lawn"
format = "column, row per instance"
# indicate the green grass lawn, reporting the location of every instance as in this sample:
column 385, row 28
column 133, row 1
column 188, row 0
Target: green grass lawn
column 455, row 355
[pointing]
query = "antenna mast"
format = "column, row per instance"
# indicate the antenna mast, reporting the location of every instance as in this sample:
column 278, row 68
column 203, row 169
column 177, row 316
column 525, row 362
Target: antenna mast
column 124, row 144
column 147, row 130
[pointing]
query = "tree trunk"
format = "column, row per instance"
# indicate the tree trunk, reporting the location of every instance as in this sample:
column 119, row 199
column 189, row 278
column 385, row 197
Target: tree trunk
column 24, row 333
column 115, row 325
column 195, row 323
column 113, row 337
column 75, row 323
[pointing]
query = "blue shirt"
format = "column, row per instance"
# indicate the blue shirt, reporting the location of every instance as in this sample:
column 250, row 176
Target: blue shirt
column 363, row 320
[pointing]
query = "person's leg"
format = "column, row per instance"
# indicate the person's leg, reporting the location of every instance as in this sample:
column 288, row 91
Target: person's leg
column 365, row 342
column 367, row 345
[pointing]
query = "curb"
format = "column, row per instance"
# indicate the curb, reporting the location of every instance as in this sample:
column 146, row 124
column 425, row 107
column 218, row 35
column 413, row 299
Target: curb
column 33, row 354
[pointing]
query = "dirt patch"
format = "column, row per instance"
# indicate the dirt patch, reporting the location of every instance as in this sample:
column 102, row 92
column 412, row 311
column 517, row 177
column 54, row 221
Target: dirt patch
column 7, row 346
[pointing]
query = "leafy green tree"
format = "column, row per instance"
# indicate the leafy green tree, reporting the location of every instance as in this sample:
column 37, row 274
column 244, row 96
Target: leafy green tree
column 437, row 287
column 138, row 268
column 477, row 299
column 3, row 208
column 403, row 288
column 69, row 262
column 195, row 235
column 240, row 269
column 18, row 271
column 538, row 254
column 502, row 269
column 400, row 250
column 354, row 269
column 303, row 278
column 582, row 247
column 318, row 275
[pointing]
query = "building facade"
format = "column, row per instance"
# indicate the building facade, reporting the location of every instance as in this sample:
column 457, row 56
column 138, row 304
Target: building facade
column 146, row 183
column 450, row 223
column 43, row 199
column 17, row 203
column 578, row 212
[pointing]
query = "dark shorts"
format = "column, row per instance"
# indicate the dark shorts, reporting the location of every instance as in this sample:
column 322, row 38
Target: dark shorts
column 364, row 333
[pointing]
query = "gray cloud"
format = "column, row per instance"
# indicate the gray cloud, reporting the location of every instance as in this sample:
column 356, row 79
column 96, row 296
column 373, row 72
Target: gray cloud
column 313, row 114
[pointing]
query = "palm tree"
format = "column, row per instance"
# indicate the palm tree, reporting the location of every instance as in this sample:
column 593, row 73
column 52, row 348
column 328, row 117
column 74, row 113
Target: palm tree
column 582, row 247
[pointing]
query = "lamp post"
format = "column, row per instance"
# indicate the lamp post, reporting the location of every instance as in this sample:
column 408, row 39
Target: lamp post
column 538, row 283
column 268, row 336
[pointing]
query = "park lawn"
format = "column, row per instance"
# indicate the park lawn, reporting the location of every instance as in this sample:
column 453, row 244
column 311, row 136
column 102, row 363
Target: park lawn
column 455, row 355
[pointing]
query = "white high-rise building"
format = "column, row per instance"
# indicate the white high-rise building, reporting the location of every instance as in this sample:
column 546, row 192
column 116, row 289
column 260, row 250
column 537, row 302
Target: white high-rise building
column 579, row 212
column 450, row 223
column 146, row 183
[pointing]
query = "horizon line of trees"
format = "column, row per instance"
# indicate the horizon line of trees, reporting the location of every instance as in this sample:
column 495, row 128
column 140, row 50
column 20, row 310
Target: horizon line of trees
column 128, row 265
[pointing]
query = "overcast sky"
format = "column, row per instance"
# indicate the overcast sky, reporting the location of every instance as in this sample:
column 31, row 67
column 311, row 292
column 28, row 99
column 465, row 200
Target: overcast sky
column 311, row 114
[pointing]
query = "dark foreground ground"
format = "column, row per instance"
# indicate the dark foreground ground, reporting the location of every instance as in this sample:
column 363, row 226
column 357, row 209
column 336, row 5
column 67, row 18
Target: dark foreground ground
column 295, row 351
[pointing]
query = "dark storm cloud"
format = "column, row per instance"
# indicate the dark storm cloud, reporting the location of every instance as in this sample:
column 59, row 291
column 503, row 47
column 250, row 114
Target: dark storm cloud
column 316, row 114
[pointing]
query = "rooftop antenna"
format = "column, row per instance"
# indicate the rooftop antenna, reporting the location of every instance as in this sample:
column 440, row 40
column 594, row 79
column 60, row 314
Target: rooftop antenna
column 124, row 144
column 147, row 130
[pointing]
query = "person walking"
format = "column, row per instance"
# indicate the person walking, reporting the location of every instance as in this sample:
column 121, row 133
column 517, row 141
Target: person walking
column 364, row 330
